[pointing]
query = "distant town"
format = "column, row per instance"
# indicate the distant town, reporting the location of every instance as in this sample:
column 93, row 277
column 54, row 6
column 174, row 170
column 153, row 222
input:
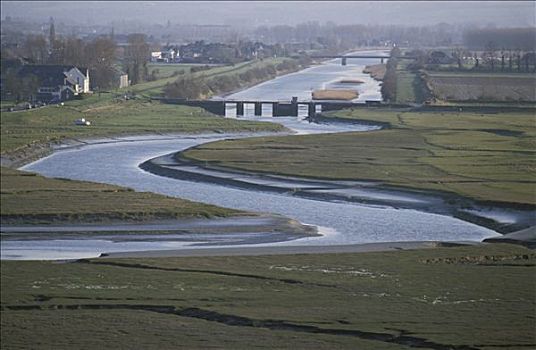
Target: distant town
column 53, row 62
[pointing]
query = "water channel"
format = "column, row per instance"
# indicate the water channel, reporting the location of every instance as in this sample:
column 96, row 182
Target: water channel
column 116, row 161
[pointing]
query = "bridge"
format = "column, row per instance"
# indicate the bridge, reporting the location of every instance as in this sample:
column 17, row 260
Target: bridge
column 252, row 108
column 345, row 57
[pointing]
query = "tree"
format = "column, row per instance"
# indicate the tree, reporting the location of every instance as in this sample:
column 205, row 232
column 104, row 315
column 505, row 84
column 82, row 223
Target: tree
column 490, row 54
column 74, row 52
column 100, row 58
column 51, row 32
column 57, row 52
column 187, row 88
column 35, row 49
column 458, row 54
column 23, row 89
column 137, row 54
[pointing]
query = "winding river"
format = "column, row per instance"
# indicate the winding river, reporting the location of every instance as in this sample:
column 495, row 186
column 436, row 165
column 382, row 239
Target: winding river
column 116, row 161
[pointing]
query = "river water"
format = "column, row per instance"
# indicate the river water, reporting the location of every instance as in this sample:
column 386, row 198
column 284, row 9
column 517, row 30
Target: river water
column 116, row 161
column 324, row 76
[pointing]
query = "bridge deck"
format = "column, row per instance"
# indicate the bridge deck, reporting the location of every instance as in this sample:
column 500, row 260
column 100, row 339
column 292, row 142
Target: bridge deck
column 349, row 56
column 359, row 56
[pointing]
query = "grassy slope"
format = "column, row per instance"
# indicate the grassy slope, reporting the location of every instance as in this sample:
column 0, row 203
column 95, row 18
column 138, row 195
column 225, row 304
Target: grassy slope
column 166, row 70
column 112, row 117
column 447, row 296
column 460, row 153
column 33, row 198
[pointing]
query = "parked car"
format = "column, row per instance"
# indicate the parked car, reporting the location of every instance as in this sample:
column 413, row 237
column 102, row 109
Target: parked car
column 82, row 122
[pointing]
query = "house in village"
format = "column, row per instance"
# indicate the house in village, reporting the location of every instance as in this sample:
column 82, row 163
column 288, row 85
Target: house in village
column 168, row 54
column 119, row 78
column 57, row 83
column 440, row 57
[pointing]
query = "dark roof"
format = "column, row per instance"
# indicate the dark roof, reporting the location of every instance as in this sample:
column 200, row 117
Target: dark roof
column 48, row 75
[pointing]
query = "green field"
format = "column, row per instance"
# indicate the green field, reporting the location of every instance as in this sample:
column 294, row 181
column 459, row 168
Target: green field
column 483, row 87
column 481, row 156
column 444, row 298
column 166, row 70
column 408, row 85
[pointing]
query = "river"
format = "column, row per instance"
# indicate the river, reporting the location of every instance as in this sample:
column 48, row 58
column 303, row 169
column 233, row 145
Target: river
column 116, row 161
column 324, row 76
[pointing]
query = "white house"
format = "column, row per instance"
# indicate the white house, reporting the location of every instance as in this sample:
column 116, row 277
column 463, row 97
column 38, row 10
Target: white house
column 57, row 83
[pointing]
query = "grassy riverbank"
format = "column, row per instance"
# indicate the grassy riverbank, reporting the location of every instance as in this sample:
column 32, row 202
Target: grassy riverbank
column 435, row 298
column 481, row 156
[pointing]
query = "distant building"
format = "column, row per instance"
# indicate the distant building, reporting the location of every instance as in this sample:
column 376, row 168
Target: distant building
column 120, row 79
column 168, row 54
column 156, row 56
column 57, row 83
column 440, row 57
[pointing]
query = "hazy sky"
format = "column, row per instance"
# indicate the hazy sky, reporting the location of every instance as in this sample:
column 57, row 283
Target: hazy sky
column 500, row 13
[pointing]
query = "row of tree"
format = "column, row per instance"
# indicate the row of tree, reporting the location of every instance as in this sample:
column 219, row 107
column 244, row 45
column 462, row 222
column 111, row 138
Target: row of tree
column 100, row 55
column 489, row 59
column 199, row 87
column 388, row 88
column 506, row 38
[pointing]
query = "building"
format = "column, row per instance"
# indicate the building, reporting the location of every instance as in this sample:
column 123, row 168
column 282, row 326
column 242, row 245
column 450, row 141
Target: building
column 168, row 54
column 120, row 78
column 440, row 57
column 57, row 83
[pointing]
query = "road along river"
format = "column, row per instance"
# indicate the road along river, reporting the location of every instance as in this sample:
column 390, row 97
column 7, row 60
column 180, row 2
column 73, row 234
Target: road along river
column 117, row 161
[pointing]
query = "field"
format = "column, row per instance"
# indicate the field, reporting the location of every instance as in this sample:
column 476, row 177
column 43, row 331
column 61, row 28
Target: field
column 408, row 85
column 442, row 298
column 486, row 157
column 483, row 86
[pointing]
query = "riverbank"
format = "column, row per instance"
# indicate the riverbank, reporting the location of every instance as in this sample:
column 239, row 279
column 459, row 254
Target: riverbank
column 373, row 193
column 286, row 250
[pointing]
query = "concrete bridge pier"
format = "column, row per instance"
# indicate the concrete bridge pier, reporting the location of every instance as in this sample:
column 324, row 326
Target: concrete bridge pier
column 294, row 109
column 275, row 111
column 312, row 109
column 240, row 109
column 258, row 109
